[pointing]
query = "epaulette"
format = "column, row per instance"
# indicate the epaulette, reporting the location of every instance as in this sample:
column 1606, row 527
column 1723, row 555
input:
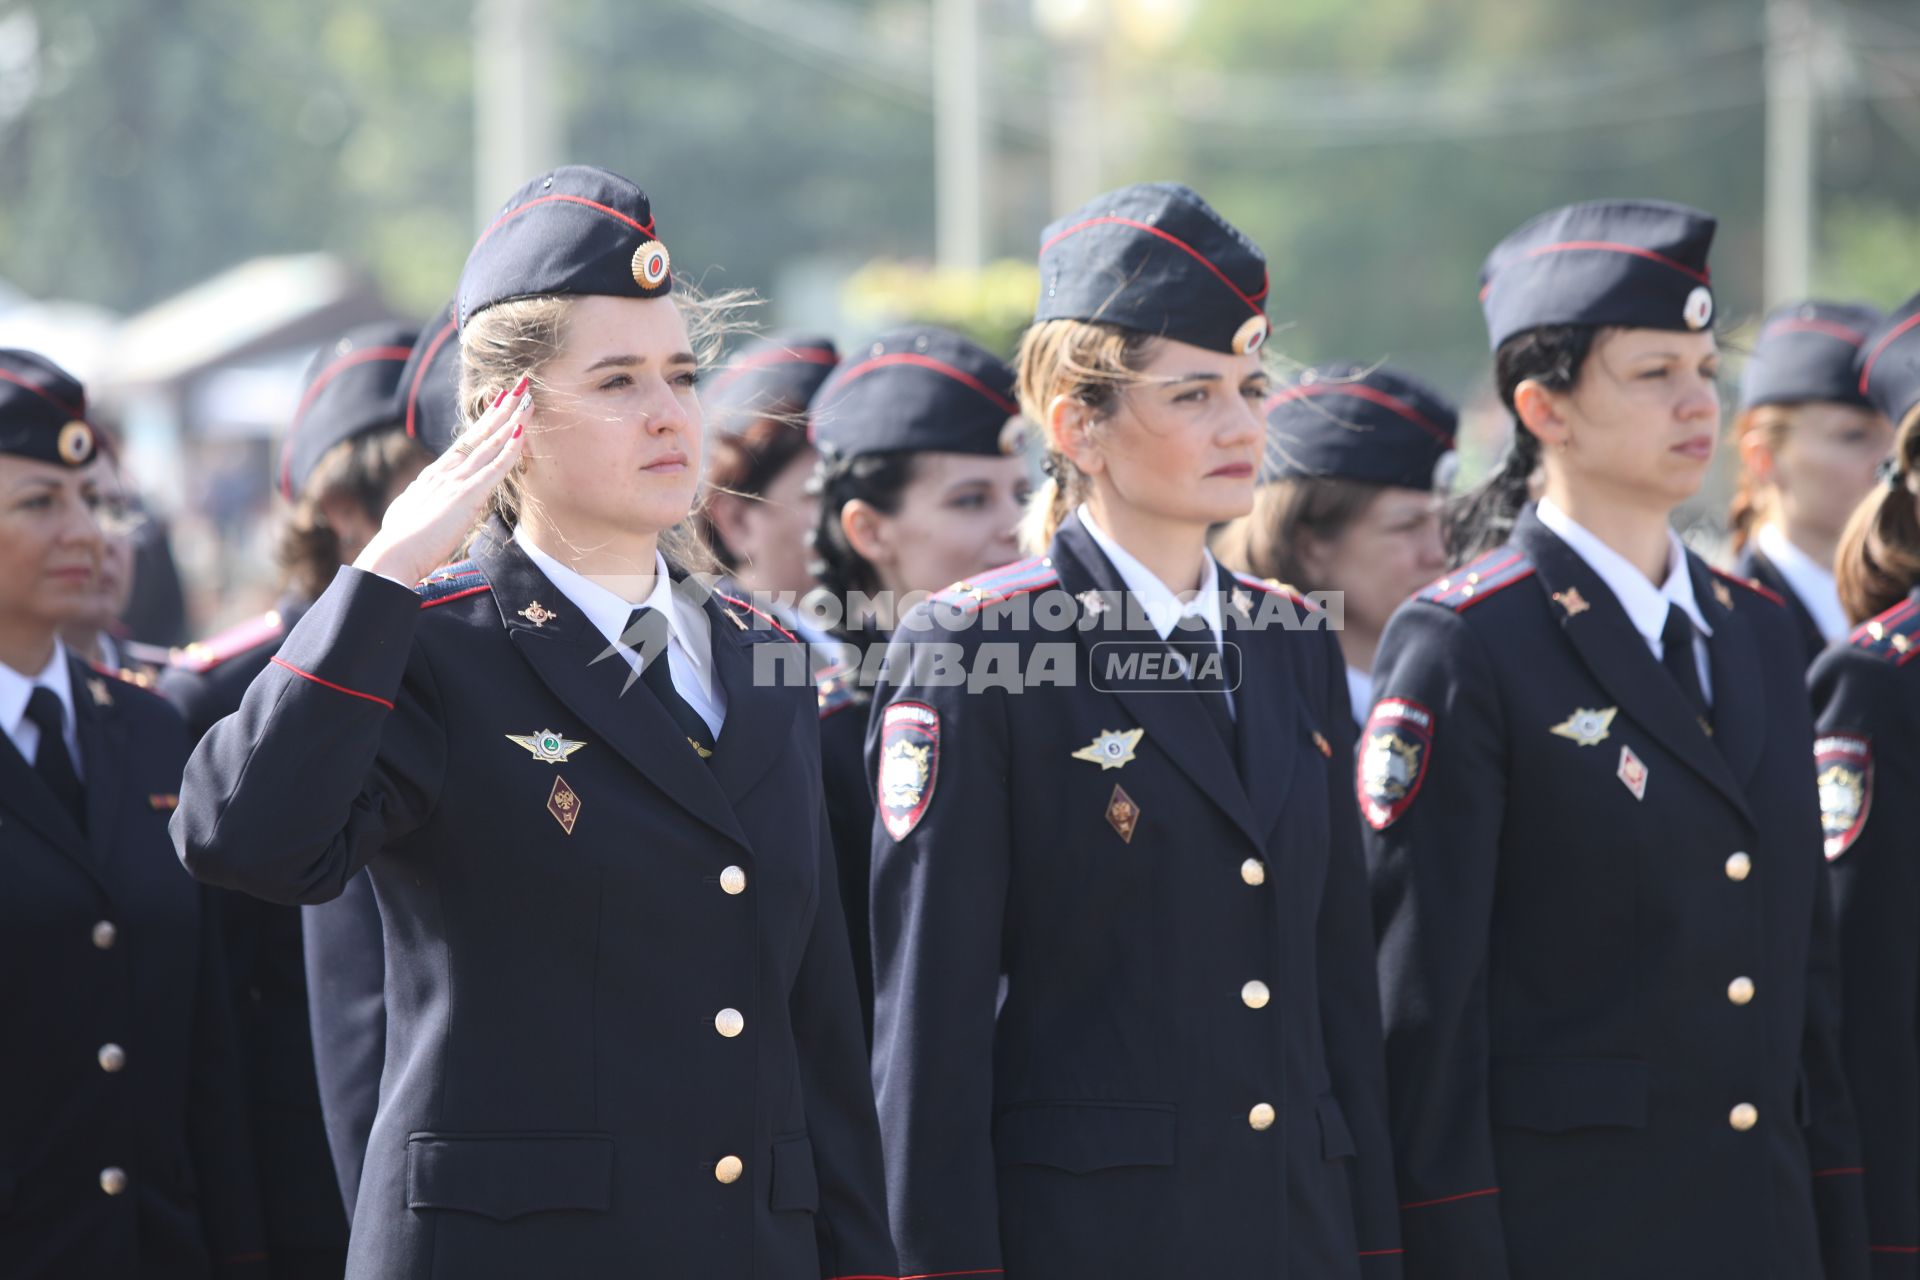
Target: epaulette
column 1749, row 584
column 451, row 582
column 1275, row 587
column 1475, row 581
column 839, row 688
column 1893, row 635
column 762, row 614
column 1003, row 583
column 203, row 656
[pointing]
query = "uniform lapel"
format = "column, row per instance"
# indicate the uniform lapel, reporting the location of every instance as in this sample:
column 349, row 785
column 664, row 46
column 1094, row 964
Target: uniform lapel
column 1739, row 720
column 103, row 743
column 566, row 652
column 1620, row 660
column 1176, row 723
column 25, row 797
column 758, row 721
column 1265, row 709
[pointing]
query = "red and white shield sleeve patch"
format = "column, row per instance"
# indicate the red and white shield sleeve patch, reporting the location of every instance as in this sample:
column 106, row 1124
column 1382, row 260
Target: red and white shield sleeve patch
column 1843, row 766
column 1394, row 748
column 909, row 765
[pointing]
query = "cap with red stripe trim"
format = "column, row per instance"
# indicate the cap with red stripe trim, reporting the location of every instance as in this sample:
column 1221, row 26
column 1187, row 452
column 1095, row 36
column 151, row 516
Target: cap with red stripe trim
column 921, row 389
column 1638, row 264
column 1156, row 258
column 1806, row 352
column 1350, row 422
column 430, row 384
column 43, row 411
column 353, row 386
column 576, row 230
column 772, row 377
column 1888, row 367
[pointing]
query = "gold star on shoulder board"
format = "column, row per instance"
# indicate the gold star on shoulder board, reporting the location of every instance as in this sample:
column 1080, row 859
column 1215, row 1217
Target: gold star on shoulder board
column 102, row 696
column 1243, row 599
column 1572, row 601
column 547, row 746
column 538, row 615
column 1723, row 595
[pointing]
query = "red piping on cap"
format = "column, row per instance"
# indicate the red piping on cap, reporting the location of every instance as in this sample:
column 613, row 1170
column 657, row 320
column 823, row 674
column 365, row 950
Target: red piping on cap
column 938, row 366
column 1253, row 302
column 1361, row 391
column 611, row 212
column 426, row 363
column 1879, row 349
column 1852, row 337
column 55, row 401
column 306, row 401
column 1611, row 246
column 781, row 355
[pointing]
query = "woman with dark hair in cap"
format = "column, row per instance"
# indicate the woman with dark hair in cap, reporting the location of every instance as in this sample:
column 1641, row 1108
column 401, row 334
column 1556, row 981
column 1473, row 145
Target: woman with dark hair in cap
column 1866, row 705
column 1809, row 443
column 1357, row 465
column 1606, row 953
column 1125, row 1018
column 346, row 455
column 621, row 1023
column 921, row 482
column 123, row 1143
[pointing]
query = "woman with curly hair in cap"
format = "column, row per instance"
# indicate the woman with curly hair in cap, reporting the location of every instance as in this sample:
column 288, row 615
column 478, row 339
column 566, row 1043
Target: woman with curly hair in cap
column 1357, row 465
column 1866, row 706
column 621, row 1023
column 1125, row 1021
column 1606, row 954
column 1809, row 442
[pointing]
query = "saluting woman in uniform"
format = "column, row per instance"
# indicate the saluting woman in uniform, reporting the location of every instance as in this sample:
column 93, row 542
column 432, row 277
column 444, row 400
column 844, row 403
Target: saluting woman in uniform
column 1357, row 465
column 921, row 483
column 1125, row 1018
column 1866, row 705
column 621, row 1020
column 1606, row 957
column 123, row 1143
column 1809, row 443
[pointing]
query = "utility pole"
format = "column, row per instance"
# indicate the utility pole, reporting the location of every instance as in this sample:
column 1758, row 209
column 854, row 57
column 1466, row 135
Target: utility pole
column 1790, row 157
column 516, row 122
column 960, row 136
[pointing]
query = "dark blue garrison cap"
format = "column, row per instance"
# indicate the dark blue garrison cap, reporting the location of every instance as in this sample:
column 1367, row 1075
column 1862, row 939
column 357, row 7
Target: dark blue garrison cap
column 430, row 384
column 352, row 387
column 576, row 230
column 1350, row 422
column 1889, row 363
column 1639, row 264
column 771, row 377
column 1806, row 351
column 1157, row 259
column 43, row 411
column 923, row 389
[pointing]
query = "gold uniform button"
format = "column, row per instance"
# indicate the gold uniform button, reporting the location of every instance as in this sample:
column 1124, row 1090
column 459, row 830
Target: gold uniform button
column 1253, row 871
column 729, row 1023
column 1261, row 1117
column 1739, row 866
column 1255, row 995
column 729, row 1169
column 1744, row 1116
column 1740, row 990
column 105, row 935
column 113, row 1180
column 733, row 880
column 112, row 1057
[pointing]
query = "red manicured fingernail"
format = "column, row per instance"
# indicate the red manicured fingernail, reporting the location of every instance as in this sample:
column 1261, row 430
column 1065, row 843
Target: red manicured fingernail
column 502, row 396
column 517, row 430
column 521, row 387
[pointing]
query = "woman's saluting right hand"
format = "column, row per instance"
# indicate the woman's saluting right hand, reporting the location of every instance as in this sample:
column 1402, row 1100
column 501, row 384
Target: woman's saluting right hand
column 427, row 522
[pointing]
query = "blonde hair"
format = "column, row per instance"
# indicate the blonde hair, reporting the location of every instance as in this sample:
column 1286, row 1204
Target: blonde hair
column 1879, row 557
column 1753, row 502
column 1270, row 540
column 522, row 336
column 1091, row 362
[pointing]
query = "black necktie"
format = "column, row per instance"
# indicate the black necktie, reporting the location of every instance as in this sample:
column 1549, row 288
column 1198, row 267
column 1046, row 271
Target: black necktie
column 1197, row 649
column 1676, row 652
column 51, row 759
column 646, row 635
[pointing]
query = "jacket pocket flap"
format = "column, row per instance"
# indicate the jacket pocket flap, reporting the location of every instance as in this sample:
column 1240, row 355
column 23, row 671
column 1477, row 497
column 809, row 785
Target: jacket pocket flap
column 1083, row 1136
column 1336, row 1140
column 506, row 1175
column 1553, row 1095
column 795, row 1185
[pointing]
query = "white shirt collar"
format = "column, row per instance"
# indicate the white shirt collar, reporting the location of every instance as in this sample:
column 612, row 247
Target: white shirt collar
column 689, row 634
column 17, row 687
column 1646, row 604
column 1812, row 581
column 1360, row 693
column 1163, row 608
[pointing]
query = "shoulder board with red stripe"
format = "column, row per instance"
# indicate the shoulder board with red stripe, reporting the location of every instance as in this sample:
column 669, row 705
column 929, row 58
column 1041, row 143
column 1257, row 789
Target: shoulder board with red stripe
column 1893, row 635
column 1275, row 587
column 451, row 582
column 1755, row 587
column 204, row 655
column 761, row 614
column 839, row 688
column 1003, row 583
column 1475, row 581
